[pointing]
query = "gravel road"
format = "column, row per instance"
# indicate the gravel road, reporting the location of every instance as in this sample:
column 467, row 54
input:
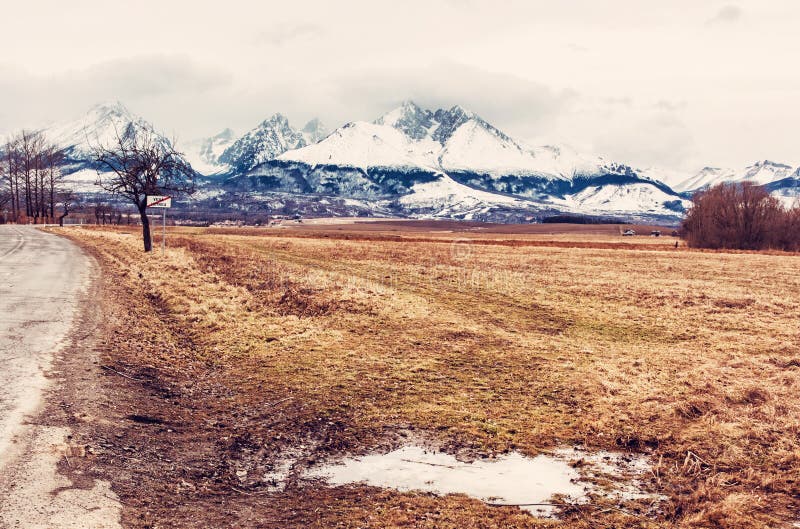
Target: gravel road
column 42, row 277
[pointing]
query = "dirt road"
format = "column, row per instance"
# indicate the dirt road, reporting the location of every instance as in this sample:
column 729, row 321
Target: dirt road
column 42, row 277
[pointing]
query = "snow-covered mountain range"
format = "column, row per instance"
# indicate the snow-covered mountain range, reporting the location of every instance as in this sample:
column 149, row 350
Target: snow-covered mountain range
column 413, row 161
column 451, row 162
column 763, row 172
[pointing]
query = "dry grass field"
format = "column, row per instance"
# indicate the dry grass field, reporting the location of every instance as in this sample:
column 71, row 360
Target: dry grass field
column 241, row 345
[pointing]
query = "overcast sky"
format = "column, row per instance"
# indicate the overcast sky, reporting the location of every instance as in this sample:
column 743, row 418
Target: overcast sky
column 677, row 84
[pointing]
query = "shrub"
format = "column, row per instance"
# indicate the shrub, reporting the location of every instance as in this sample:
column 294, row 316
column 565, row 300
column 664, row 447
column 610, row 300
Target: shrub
column 741, row 216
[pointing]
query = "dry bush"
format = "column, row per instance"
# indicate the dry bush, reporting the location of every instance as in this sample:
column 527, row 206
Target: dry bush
column 741, row 216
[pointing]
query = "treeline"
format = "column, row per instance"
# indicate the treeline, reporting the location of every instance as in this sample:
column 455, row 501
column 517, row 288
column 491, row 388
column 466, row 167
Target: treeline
column 31, row 187
column 580, row 219
column 741, row 216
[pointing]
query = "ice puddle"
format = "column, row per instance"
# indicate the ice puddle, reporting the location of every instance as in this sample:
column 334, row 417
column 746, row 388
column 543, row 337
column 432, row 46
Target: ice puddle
column 512, row 479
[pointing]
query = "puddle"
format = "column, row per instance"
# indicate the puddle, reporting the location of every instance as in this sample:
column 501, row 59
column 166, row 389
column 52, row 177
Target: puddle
column 530, row 483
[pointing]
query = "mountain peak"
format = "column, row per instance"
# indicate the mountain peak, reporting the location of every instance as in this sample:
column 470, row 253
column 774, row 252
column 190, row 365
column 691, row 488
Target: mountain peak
column 410, row 105
column 770, row 163
column 409, row 118
column 276, row 118
column 406, row 109
column 270, row 138
column 451, row 119
column 458, row 110
column 109, row 109
column 418, row 123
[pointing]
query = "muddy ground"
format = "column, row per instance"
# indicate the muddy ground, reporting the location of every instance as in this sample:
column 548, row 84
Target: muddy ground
column 173, row 439
column 217, row 360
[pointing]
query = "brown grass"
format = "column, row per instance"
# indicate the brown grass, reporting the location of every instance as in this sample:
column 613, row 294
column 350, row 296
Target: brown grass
column 690, row 356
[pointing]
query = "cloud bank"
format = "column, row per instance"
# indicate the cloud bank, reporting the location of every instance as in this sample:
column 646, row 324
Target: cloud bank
column 679, row 84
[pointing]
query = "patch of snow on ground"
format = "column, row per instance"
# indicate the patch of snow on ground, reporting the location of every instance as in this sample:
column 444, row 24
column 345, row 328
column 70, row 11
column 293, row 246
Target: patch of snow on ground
column 511, row 479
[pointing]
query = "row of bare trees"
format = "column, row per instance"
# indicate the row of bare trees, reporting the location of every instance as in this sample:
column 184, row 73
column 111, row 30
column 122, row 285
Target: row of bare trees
column 106, row 213
column 741, row 216
column 31, row 187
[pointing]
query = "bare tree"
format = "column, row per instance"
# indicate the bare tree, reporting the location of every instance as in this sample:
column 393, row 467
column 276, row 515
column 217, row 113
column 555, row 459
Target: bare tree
column 138, row 164
column 101, row 213
column 5, row 198
column 68, row 201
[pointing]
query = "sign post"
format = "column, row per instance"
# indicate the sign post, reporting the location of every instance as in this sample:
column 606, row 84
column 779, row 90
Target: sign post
column 161, row 201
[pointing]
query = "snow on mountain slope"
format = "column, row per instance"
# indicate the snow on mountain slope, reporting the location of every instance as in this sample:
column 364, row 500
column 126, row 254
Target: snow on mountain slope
column 707, row 176
column 468, row 143
column 363, row 145
column 670, row 177
column 204, row 153
column 101, row 125
column 766, row 172
column 445, row 190
column 789, row 197
column 473, row 147
column 638, row 197
column 82, row 181
column 446, row 198
column 565, row 161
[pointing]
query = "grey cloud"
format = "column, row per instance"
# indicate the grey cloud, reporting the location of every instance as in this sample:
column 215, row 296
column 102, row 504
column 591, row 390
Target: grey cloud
column 138, row 81
column 669, row 106
column 521, row 106
column 577, row 48
column 283, row 34
column 624, row 101
column 659, row 138
column 150, row 76
column 726, row 14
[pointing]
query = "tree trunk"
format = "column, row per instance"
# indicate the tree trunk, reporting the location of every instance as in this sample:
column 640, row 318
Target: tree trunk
column 52, row 196
column 148, row 242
